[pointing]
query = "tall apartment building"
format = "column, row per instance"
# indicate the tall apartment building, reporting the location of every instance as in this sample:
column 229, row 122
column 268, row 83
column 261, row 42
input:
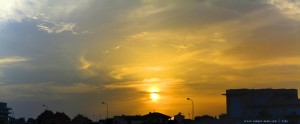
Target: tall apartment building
column 262, row 103
column 4, row 113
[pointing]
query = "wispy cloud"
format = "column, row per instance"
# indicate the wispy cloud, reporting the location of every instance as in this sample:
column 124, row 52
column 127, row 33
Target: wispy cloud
column 125, row 71
column 15, row 91
column 149, row 84
column 47, row 14
column 291, row 8
column 53, row 27
column 12, row 60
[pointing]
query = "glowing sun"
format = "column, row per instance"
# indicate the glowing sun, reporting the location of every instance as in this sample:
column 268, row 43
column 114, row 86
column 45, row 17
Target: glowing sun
column 154, row 96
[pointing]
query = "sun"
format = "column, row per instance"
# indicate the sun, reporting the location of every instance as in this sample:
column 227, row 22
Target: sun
column 154, row 96
column 153, row 92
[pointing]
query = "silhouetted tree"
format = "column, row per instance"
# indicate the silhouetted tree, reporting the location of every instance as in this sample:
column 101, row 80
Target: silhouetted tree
column 21, row 121
column 62, row 118
column 12, row 120
column 80, row 119
column 223, row 116
column 47, row 117
column 31, row 121
column 204, row 118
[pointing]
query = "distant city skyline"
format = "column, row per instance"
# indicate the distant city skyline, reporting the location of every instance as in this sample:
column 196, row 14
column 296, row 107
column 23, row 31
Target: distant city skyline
column 140, row 56
column 243, row 106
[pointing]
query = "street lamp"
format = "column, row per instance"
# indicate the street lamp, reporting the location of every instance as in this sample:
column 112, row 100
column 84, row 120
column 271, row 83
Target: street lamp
column 106, row 109
column 192, row 107
column 47, row 108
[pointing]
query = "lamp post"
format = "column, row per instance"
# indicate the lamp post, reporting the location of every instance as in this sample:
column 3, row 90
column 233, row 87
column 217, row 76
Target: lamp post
column 192, row 107
column 47, row 108
column 106, row 109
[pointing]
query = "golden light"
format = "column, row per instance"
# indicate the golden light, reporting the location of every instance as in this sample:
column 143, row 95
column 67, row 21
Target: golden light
column 155, row 68
column 153, row 90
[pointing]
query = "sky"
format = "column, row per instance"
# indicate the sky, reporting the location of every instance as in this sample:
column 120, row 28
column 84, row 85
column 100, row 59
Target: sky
column 140, row 56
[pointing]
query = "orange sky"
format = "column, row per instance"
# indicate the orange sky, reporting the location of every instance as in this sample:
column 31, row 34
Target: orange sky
column 71, row 55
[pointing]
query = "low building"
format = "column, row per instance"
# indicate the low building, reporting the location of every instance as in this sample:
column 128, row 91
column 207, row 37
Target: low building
column 156, row 118
column 4, row 113
column 205, row 119
column 137, row 119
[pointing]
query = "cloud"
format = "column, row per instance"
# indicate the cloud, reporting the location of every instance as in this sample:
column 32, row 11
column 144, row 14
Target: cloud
column 290, row 8
column 182, row 47
column 50, row 16
column 12, row 60
column 217, row 37
column 126, row 71
column 42, row 89
column 58, row 27
column 147, row 85
column 117, row 47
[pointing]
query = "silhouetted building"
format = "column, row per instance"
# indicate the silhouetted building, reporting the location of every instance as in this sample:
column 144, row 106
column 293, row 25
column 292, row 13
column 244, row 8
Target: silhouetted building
column 262, row 103
column 137, row 119
column 224, row 119
column 156, row 118
column 205, row 119
column 4, row 113
column 109, row 121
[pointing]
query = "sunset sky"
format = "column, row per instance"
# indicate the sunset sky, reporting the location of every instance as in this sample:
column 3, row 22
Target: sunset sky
column 141, row 56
